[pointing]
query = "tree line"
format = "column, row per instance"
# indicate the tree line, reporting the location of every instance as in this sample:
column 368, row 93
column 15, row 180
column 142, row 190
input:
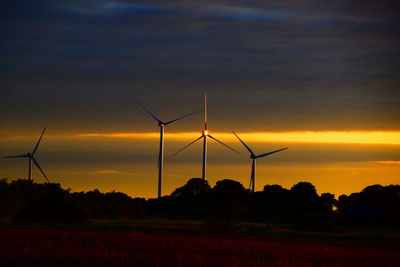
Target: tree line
column 227, row 201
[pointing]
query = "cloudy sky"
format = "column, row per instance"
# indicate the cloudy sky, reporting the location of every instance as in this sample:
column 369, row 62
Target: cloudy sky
column 271, row 68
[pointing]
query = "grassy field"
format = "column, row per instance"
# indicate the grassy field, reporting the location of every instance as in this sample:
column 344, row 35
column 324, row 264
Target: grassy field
column 159, row 243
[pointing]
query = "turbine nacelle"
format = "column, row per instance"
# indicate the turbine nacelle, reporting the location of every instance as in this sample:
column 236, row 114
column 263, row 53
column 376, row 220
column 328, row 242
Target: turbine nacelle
column 32, row 159
column 162, row 125
column 160, row 122
column 204, row 135
column 254, row 157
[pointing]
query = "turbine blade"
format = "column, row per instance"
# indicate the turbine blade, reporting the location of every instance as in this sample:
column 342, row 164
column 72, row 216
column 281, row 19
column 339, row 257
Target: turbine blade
column 147, row 111
column 223, row 144
column 187, row 115
column 17, row 156
column 38, row 142
column 205, row 111
column 269, row 153
column 188, row 145
column 248, row 148
column 40, row 169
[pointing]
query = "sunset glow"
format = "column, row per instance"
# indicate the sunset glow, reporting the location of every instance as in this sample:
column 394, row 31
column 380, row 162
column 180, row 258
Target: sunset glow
column 122, row 86
column 353, row 137
column 388, row 162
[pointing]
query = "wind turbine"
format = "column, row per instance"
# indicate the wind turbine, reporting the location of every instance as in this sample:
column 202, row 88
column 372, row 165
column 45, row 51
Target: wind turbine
column 254, row 157
column 162, row 125
column 205, row 134
column 31, row 158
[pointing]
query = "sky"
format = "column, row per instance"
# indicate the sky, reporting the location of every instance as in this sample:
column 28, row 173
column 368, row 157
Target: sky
column 319, row 77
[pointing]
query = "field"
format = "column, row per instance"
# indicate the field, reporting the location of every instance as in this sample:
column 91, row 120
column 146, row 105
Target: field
column 34, row 245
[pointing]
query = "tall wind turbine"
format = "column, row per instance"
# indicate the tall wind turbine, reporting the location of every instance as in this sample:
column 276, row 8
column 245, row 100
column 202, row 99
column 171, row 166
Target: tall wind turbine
column 162, row 125
column 253, row 165
column 205, row 135
column 31, row 158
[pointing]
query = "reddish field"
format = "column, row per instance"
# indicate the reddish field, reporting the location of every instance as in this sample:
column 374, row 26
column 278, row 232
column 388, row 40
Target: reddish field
column 40, row 246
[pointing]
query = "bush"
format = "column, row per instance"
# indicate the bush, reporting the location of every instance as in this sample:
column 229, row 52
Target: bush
column 316, row 222
column 49, row 209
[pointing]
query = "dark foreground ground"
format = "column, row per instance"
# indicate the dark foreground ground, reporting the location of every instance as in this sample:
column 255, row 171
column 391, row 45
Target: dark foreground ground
column 84, row 246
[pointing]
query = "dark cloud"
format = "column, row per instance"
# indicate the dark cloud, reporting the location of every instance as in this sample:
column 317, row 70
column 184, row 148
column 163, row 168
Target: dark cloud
column 274, row 65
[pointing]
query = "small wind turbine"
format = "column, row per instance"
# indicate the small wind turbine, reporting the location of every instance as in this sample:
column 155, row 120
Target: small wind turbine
column 254, row 157
column 31, row 158
column 204, row 135
column 162, row 125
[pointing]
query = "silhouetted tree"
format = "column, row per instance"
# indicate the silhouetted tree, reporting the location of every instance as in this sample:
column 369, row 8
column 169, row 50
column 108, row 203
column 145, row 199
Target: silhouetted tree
column 275, row 188
column 108, row 205
column 227, row 202
column 272, row 204
column 50, row 208
column 190, row 199
column 194, row 187
column 305, row 189
column 3, row 185
column 228, row 189
column 304, row 199
column 328, row 202
column 166, row 206
column 374, row 205
column 4, row 198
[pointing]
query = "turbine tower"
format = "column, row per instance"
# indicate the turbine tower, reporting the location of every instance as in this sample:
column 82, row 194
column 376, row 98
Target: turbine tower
column 253, row 165
column 205, row 134
column 31, row 158
column 162, row 125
